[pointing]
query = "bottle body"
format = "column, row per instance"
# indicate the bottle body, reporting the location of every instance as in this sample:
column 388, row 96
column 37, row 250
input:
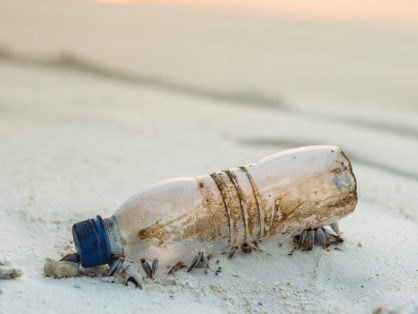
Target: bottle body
column 283, row 193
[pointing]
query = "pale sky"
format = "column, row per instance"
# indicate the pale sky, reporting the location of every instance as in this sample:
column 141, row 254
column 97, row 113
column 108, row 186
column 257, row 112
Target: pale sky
column 401, row 12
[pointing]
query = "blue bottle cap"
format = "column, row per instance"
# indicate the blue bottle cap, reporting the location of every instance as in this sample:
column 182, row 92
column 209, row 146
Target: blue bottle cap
column 92, row 242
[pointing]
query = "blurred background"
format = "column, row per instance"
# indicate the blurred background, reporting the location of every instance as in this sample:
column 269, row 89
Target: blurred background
column 189, row 86
column 339, row 72
column 99, row 99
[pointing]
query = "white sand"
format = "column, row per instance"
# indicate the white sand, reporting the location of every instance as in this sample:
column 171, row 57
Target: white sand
column 74, row 144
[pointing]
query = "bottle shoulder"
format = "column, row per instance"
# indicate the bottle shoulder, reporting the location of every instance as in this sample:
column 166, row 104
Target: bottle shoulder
column 295, row 164
column 161, row 201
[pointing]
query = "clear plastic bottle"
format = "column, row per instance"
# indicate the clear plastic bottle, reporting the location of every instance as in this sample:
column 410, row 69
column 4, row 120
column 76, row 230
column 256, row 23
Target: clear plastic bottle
column 175, row 219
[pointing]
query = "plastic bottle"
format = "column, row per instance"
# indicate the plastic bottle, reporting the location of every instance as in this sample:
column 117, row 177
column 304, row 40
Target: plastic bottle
column 175, row 219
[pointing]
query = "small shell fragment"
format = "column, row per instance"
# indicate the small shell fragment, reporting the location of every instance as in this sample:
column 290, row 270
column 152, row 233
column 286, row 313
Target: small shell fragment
column 7, row 271
column 61, row 269
column 132, row 273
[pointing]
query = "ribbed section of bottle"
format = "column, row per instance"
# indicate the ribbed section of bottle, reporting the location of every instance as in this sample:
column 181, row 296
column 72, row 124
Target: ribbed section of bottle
column 283, row 193
column 240, row 200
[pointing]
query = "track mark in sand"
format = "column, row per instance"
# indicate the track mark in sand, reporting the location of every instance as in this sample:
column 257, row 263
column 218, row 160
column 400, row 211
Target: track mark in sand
column 75, row 63
column 242, row 98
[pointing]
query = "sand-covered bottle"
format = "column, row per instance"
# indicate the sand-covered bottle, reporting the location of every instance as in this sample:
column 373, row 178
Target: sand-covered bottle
column 175, row 219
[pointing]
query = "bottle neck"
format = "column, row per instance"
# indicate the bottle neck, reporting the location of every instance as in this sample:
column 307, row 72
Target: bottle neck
column 114, row 236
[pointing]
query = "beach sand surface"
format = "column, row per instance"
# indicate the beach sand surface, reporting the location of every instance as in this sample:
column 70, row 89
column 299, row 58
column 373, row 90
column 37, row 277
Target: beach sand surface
column 114, row 98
